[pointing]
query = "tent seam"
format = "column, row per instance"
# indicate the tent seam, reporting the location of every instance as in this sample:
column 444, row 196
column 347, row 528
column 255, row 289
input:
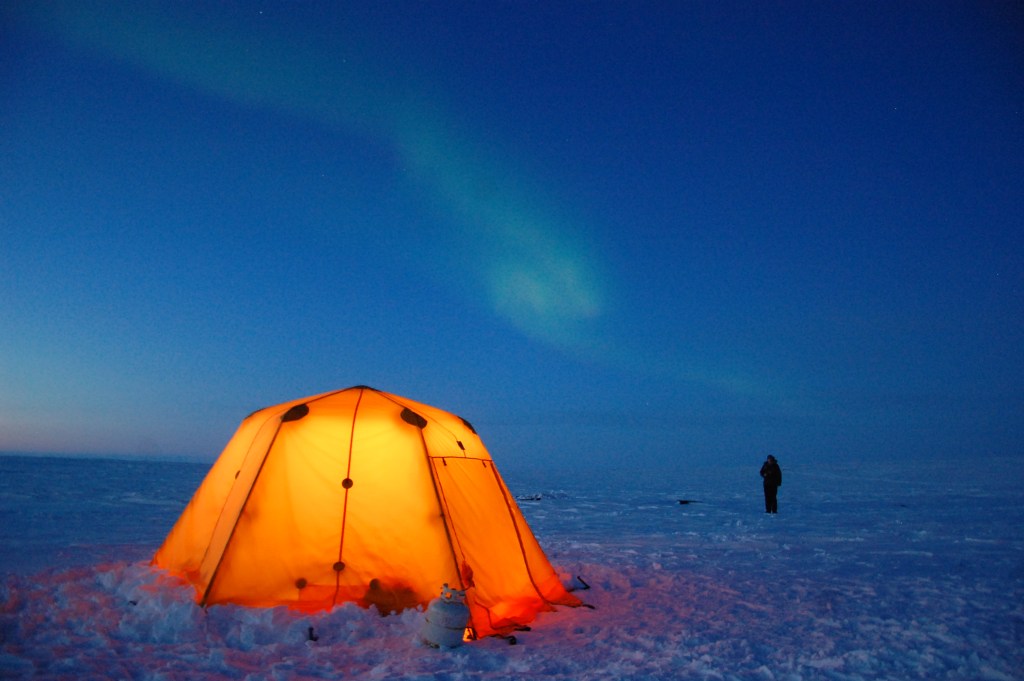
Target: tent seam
column 241, row 510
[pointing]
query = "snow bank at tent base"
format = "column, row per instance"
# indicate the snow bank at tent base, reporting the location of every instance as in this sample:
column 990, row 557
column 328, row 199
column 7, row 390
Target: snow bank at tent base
column 122, row 622
column 890, row 580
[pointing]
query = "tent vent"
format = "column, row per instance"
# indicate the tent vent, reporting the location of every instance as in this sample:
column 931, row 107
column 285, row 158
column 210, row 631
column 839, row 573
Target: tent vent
column 300, row 583
column 339, row 566
column 411, row 417
column 461, row 446
column 295, row 413
column 468, row 425
column 347, row 483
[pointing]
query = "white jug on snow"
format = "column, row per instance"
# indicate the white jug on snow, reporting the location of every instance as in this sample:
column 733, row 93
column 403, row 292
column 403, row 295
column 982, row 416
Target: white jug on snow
column 446, row 619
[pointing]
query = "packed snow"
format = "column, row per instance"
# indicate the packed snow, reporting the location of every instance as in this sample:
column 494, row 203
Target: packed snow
column 869, row 571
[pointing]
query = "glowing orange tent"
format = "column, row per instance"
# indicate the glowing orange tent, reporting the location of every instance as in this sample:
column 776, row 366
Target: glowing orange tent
column 360, row 496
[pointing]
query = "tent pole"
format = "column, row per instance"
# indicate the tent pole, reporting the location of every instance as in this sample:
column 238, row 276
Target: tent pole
column 241, row 510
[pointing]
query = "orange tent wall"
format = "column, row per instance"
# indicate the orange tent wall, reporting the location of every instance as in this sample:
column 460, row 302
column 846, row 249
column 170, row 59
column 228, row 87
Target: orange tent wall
column 360, row 496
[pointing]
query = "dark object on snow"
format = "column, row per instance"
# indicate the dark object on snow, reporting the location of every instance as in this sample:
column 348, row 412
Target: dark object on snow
column 529, row 497
column 585, row 587
column 311, row 635
column 684, row 502
column 772, row 477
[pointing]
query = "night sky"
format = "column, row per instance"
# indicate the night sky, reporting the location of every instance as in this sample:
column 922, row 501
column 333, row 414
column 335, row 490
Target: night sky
column 606, row 233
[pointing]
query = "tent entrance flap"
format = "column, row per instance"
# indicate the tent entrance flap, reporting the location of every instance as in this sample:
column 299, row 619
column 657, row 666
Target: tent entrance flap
column 507, row 576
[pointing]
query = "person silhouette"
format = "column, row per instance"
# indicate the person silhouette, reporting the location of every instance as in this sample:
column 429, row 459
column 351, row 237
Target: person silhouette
column 772, row 477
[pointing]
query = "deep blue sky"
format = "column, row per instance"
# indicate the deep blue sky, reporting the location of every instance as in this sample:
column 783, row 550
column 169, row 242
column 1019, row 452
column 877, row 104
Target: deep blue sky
column 656, row 232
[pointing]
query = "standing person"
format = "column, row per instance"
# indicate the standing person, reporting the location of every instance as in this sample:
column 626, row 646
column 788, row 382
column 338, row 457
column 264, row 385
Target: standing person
column 772, row 476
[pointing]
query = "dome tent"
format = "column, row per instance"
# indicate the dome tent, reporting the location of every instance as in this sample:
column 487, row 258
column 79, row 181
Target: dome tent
column 360, row 496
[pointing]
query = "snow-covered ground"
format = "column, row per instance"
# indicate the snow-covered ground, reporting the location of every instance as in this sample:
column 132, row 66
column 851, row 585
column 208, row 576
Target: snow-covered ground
column 894, row 571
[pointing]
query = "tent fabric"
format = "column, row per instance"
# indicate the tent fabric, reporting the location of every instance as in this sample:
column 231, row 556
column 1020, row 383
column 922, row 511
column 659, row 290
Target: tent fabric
column 360, row 496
